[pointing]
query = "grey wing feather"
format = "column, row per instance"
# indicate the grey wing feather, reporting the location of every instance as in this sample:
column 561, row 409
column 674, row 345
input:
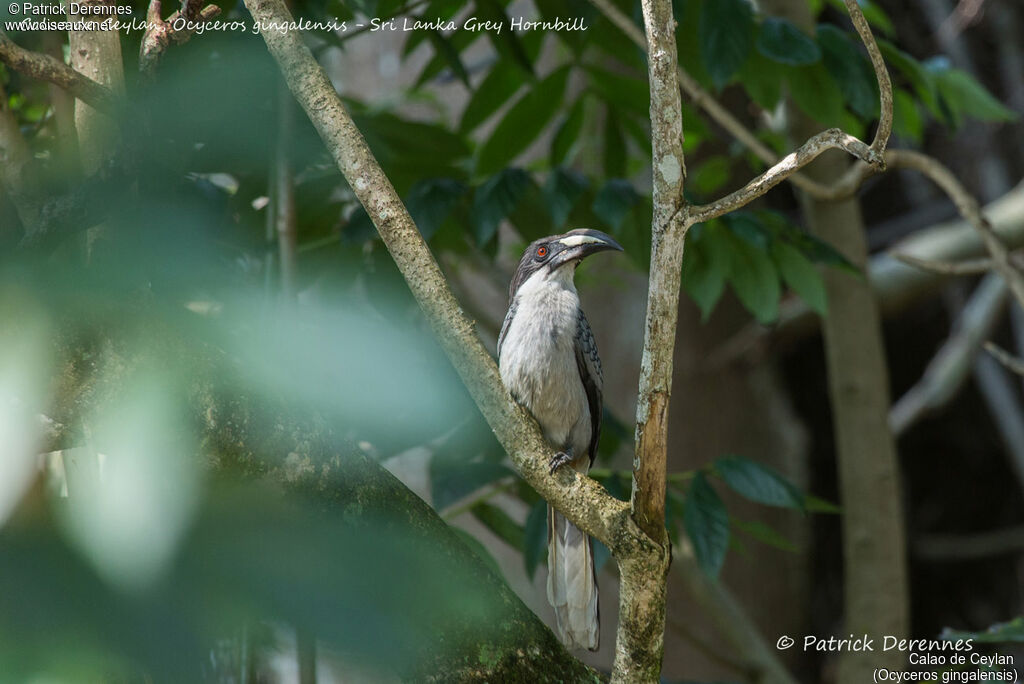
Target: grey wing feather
column 505, row 324
column 589, row 365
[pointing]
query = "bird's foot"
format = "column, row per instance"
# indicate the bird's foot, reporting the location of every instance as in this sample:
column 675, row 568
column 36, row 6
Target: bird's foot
column 559, row 460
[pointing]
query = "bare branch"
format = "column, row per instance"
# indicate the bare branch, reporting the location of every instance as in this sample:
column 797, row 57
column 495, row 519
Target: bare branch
column 159, row 33
column 46, row 68
column 667, row 239
column 896, row 284
column 951, row 366
column 833, row 138
column 967, row 267
column 881, row 75
column 968, row 208
column 1006, row 358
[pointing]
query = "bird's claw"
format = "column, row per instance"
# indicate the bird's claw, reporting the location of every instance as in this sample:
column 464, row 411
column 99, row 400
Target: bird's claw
column 559, row 460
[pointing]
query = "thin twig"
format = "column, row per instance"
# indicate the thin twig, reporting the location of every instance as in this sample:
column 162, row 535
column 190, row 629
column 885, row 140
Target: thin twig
column 833, row 138
column 1006, row 358
column 968, row 208
column 160, row 33
column 454, row 511
column 956, row 268
column 997, row 387
column 881, row 75
column 952, row 364
column 842, row 188
column 46, row 68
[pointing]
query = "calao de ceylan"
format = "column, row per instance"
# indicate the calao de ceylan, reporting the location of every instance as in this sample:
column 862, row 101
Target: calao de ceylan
column 477, row 24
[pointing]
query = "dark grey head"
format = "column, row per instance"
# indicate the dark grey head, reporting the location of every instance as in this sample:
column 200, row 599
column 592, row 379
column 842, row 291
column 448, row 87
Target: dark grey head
column 560, row 251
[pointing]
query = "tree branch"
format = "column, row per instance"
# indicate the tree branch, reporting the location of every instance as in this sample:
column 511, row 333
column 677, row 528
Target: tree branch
column 968, row 208
column 951, row 365
column 833, row 138
column 966, row 267
column 667, row 239
column 642, row 617
column 46, row 68
column 159, row 33
column 841, row 189
column 1004, row 357
column 895, row 283
column 583, row 501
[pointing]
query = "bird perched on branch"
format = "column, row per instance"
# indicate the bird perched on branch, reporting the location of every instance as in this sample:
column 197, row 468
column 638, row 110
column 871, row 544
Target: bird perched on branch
column 549, row 363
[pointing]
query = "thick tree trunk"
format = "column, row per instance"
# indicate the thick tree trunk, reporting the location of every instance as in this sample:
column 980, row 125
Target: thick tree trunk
column 874, row 549
column 97, row 54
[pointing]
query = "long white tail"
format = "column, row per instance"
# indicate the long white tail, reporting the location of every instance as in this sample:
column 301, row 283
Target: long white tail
column 572, row 583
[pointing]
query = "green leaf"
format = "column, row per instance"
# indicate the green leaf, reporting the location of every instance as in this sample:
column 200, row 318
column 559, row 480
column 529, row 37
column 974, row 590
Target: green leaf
column 783, row 42
column 568, row 133
column 754, row 280
column 707, row 524
column 851, row 70
column 907, row 121
column 710, row 175
column 431, row 201
column 614, row 146
column 746, row 225
column 815, row 249
column 758, row 482
column 523, row 122
column 439, row 9
column 705, row 266
column 458, row 41
column 763, row 533
column 532, row 215
column 614, row 201
column 762, row 79
column 629, row 94
column 915, row 74
column 507, row 42
column 726, row 33
column 479, row 549
column 495, row 200
column 801, row 276
column 814, row 504
column 499, row 522
column 816, row 93
column 562, row 190
column 535, row 546
column 495, row 90
column 444, row 47
column 966, row 97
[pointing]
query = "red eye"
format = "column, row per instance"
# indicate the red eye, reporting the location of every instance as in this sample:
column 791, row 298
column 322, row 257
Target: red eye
column 542, row 251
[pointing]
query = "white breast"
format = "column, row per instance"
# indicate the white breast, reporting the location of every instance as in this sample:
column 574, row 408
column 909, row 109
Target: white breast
column 538, row 359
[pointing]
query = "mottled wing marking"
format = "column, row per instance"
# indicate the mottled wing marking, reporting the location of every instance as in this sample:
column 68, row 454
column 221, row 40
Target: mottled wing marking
column 589, row 365
column 505, row 324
